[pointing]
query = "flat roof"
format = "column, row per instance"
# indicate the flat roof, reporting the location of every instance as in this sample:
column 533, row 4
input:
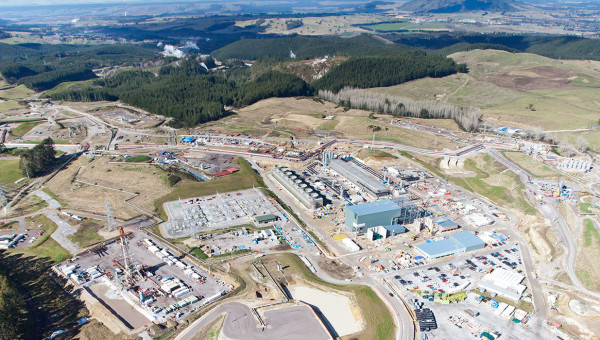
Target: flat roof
column 446, row 223
column 395, row 227
column 355, row 173
column 467, row 239
column 267, row 217
column 440, row 247
column 464, row 239
column 375, row 207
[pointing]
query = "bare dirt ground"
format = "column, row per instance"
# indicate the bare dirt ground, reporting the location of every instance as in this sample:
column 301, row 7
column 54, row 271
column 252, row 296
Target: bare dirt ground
column 535, row 78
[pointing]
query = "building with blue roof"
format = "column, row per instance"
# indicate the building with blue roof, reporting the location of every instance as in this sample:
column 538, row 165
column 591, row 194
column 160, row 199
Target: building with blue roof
column 454, row 244
column 361, row 217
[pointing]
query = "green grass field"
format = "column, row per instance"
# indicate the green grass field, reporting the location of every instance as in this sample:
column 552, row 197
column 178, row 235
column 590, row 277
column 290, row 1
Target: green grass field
column 9, row 171
column 18, row 92
column 23, row 128
column 584, row 207
column 138, row 159
column 590, row 234
column 87, row 234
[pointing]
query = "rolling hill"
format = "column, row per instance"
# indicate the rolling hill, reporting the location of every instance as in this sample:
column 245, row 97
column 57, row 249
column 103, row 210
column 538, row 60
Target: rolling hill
column 457, row 6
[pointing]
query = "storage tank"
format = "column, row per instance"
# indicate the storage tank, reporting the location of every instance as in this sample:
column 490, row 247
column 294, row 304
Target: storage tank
column 298, row 181
column 308, row 190
column 314, row 195
column 303, row 185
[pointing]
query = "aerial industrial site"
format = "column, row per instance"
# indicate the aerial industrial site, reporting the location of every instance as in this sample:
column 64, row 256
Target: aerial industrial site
column 301, row 170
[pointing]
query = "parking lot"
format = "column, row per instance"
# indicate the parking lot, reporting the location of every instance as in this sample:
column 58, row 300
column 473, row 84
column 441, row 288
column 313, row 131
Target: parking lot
column 459, row 275
column 162, row 284
column 223, row 210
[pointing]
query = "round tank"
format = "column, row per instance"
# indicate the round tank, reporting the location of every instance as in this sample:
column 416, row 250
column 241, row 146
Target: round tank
column 314, row 195
column 288, row 173
column 293, row 177
column 298, row 181
column 303, row 185
column 308, row 190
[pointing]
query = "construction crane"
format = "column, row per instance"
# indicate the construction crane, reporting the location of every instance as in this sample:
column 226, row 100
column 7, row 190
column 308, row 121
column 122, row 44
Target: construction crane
column 125, row 247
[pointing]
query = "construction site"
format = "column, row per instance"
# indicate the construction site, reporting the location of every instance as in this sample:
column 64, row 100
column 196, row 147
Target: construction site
column 142, row 281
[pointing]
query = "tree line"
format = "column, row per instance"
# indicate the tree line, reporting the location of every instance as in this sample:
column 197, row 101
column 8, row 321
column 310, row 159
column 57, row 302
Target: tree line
column 467, row 118
column 378, row 71
column 556, row 47
column 305, row 47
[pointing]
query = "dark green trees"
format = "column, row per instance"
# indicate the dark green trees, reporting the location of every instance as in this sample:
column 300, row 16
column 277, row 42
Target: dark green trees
column 38, row 160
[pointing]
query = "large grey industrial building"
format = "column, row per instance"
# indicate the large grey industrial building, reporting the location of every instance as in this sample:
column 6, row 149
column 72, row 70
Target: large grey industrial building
column 360, row 176
column 301, row 190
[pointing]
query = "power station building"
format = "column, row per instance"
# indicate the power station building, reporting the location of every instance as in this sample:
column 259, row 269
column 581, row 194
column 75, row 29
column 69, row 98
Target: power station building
column 360, row 175
column 301, row 190
column 361, row 217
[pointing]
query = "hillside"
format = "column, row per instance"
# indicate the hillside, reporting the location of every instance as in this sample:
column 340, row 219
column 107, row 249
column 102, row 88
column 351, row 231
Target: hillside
column 459, row 6
column 503, row 85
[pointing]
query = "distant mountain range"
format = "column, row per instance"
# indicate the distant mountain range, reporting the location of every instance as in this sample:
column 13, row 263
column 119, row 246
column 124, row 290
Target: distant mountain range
column 457, row 6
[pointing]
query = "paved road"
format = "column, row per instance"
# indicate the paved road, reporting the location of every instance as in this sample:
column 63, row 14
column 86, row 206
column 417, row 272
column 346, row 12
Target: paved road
column 60, row 235
column 286, row 323
column 52, row 203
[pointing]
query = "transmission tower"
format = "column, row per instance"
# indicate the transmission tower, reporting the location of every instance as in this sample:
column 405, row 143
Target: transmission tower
column 112, row 225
